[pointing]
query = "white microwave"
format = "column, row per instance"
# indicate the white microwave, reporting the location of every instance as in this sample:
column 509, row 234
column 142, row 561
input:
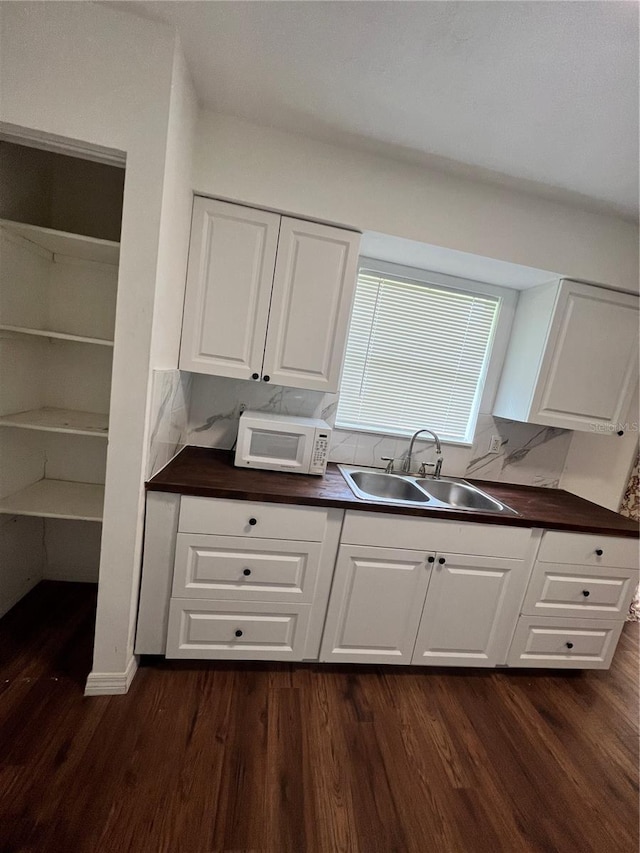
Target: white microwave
column 282, row 443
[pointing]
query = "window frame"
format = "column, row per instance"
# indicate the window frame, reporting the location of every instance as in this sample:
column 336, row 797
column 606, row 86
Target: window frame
column 488, row 385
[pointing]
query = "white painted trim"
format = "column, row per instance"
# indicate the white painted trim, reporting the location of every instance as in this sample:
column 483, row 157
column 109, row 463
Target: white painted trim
column 60, row 144
column 111, row 683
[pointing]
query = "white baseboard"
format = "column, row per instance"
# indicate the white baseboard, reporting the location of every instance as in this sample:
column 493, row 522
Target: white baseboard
column 111, row 683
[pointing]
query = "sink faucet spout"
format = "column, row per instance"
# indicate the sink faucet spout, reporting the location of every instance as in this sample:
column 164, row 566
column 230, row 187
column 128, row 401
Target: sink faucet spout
column 406, row 465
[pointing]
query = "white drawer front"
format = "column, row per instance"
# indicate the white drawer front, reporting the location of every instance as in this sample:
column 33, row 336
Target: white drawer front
column 250, row 518
column 426, row 534
column 589, row 549
column 561, row 643
column 240, row 630
column 229, row 567
column 562, row 590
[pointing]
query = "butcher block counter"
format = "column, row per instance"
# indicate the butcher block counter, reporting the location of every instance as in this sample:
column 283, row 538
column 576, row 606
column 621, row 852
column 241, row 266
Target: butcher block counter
column 206, row 472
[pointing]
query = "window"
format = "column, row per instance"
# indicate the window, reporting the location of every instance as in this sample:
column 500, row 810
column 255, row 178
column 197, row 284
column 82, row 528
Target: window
column 417, row 353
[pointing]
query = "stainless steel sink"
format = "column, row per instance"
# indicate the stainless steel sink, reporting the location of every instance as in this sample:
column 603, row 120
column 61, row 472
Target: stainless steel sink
column 462, row 495
column 391, row 487
column 447, row 493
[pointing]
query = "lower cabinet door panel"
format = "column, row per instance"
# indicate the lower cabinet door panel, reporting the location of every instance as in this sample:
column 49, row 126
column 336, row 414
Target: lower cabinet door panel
column 557, row 589
column 375, row 605
column 549, row 641
column 236, row 630
column 471, row 610
column 242, row 569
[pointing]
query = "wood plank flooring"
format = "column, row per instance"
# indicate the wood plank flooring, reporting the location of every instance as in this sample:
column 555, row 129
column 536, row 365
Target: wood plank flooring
column 274, row 758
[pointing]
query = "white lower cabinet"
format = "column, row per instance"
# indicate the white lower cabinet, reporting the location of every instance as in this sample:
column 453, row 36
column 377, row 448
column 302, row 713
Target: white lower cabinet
column 550, row 641
column 470, row 611
column 576, row 602
column 375, row 605
column 233, row 629
column 233, row 567
column 424, row 606
column 250, row 581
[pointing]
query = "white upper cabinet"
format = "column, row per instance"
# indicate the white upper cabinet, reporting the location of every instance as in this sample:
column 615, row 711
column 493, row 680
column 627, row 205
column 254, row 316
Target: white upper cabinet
column 573, row 358
column 312, row 293
column 268, row 297
column 232, row 258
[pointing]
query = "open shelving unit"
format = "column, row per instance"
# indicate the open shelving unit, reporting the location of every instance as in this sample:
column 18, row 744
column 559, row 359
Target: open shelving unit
column 57, row 317
column 69, row 421
column 49, row 333
column 57, row 499
column 64, row 243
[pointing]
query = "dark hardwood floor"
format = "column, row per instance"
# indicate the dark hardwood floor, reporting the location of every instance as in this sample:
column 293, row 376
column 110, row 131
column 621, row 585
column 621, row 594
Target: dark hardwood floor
column 295, row 758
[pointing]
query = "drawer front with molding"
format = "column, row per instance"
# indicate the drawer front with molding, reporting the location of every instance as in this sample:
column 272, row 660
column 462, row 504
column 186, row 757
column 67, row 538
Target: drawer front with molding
column 250, row 518
column 243, row 569
column 577, row 591
column 561, row 643
column 588, row 549
column 236, row 630
column 426, row 534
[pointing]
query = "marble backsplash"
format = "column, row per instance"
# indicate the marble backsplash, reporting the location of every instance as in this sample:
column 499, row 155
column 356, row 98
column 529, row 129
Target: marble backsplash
column 169, row 417
column 529, row 454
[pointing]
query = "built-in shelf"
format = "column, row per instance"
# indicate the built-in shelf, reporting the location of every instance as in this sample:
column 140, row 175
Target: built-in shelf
column 59, row 420
column 48, row 333
column 57, row 499
column 63, row 243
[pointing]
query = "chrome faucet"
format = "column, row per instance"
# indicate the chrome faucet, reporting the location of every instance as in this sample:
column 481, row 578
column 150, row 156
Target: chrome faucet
column 406, row 465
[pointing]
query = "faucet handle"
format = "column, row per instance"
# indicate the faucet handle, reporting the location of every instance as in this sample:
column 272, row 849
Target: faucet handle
column 389, row 460
column 423, row 468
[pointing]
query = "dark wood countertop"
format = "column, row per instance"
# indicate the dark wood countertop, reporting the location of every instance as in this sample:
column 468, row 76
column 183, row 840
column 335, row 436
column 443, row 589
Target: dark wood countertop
column 210, row 473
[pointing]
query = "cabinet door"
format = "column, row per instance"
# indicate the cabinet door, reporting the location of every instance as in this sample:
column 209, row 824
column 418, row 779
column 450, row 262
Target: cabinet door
column 375, row 605
column 590, row 366
column 312, row 294
column 231, row 263
column 471, row 611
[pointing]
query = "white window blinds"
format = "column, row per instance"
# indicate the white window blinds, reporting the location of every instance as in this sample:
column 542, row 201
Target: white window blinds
column 416, row 357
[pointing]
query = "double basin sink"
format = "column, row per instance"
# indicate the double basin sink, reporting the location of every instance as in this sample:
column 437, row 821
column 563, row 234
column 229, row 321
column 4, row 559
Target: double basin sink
column 445, row 493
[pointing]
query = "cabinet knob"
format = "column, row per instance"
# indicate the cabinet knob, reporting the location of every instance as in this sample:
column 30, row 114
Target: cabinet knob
column 442, row 561
column 569, row 645
column 247, row 572
column 253, row 521
column 586, row 593
column 620, row 432
column 255, row 376
column 238, row 633
column 431, row 559
column 599, row 552
column 266, row 378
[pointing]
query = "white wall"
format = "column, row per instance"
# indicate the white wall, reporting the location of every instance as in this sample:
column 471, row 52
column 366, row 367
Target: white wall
column 242, row 162
column 175, row 225
column 84, row 72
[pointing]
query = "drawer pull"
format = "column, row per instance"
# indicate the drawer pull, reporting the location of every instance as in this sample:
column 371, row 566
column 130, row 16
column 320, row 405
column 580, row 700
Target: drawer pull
column 239, row 633
column 247, row 572
column 569, row 645
column 599, row 552
column 253, row 521
column 442, row 561
column 586, row 593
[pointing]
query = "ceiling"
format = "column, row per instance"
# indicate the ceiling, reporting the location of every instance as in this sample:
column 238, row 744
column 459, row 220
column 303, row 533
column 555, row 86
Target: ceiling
column 537, row 95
